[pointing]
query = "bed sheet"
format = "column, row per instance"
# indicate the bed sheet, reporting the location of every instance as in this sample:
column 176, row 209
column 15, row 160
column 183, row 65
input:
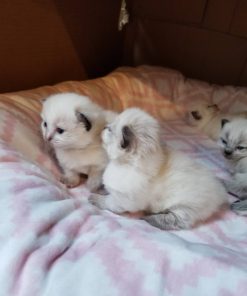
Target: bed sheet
column 53, row 242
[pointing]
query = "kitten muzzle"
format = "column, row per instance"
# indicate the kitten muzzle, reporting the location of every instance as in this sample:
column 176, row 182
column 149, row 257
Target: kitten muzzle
column 228, row 153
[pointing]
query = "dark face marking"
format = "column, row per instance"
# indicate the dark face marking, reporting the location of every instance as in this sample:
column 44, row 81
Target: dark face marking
column 82, row 118
column 127, row 137
column 59, row 130
column 223, row 122
column 196, row 115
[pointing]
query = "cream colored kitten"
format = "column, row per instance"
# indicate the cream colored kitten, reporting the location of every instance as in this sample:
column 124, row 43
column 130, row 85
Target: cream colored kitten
column 72, row 125
column 233, row 143
column 207, row 118
column 175, row 191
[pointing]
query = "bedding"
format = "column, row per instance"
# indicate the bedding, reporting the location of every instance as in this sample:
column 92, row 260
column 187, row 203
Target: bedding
column 53, row 242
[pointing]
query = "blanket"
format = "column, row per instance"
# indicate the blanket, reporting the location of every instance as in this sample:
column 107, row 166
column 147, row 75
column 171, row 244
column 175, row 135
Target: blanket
column 53, row 242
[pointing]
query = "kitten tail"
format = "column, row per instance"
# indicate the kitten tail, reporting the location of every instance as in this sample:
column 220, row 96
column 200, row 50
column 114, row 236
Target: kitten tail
column 177, row 219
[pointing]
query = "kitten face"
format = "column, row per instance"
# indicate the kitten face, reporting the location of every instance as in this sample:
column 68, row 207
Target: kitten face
column 233, row 138
column 200, row 113
column 132, row 133
column 117, row 141
column 66, row 122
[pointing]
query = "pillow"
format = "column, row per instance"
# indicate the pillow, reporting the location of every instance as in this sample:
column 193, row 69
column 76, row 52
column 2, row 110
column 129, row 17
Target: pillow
column 162, row 92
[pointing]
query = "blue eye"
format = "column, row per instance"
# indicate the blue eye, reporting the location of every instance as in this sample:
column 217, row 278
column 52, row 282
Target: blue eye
column 59, row 130
column 241, row 147
column 223, row 141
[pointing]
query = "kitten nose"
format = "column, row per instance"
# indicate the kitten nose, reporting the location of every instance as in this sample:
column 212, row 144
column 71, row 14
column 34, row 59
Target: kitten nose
column 227, row 152
column 49, row 138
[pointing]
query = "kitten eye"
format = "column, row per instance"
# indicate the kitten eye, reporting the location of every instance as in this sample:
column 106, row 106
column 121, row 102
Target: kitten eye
column 108, row 128
column 59, row 130
column 45, row 124
column 223, row 141
column 241, row 147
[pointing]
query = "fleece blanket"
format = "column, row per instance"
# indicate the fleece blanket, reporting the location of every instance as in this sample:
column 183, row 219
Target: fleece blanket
column 53, row 242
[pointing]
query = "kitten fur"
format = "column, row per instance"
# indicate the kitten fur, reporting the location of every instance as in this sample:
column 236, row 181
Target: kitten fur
column 233, row 143
column 207, row 117
column 240, row 207
column 172, row 189
column 72, row 125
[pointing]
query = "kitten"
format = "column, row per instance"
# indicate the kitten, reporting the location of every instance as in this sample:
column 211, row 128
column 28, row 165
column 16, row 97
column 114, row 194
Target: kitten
column 240, row 207
column 207, row 118
column 72, row 125
column 233, row 143
column 172, row 189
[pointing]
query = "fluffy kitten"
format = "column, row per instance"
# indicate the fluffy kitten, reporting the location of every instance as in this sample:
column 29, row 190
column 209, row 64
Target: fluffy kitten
column 207, row 118
column 72, row 125
column 172, row 189
column 233, row 143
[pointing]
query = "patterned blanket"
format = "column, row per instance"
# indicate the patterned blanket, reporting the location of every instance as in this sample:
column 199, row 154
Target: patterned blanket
column 53, row 242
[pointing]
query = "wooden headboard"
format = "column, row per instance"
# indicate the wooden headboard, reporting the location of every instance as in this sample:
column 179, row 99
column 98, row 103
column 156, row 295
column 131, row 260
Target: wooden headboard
column 205, row 39
column 48, row 41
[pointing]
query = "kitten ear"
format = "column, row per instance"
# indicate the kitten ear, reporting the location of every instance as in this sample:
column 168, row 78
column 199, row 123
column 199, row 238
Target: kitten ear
column 82, row 118
column 127, row 137
column 224, row 121
column 196, row 115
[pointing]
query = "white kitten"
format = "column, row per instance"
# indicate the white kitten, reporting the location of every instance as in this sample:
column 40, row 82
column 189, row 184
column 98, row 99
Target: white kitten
column 233, row 143
column 207, row 118
column 72, row 125
column 143, row 176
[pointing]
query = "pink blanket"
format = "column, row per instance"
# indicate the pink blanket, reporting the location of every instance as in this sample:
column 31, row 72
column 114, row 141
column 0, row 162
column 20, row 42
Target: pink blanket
column 53, row 242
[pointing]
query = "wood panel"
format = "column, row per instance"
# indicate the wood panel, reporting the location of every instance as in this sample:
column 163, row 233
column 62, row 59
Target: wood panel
column 219, row 14
column 204, row 39
column 196, row 52
column 189, row 11
column 93, row 28
column 35, row 48
column 239, row 23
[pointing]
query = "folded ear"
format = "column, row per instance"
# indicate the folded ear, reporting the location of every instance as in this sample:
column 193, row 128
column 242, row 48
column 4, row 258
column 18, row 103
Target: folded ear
column 224, row 121
column 84, row 119
column 196, row 115
column 127, row 137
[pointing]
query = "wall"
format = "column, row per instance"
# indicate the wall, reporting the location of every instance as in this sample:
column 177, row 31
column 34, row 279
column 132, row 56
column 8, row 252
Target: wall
column 205, row 39
column 93, row 28
column 46, row 41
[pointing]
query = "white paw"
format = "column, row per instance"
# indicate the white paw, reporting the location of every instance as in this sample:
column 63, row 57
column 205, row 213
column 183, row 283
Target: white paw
column 93, row 183
column 229, row 185
column 97, row 200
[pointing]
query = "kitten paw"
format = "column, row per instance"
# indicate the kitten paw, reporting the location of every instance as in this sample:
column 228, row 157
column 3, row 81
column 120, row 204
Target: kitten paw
column 240, row 207
column 230, row 186
column 70, row 182
column 233, row 187
column 93, row 184
column 97, row 200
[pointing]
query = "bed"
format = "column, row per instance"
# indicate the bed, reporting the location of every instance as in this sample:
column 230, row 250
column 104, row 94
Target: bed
column 53, row 242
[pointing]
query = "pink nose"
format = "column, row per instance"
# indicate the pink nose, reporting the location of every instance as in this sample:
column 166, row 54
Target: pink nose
column 49, row 138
